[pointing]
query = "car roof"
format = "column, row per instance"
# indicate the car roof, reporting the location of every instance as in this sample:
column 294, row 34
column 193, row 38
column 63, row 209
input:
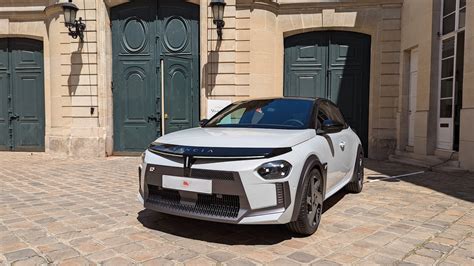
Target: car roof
column 312, row 99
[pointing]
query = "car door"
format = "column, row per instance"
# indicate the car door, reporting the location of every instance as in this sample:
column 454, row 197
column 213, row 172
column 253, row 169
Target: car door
column 336, row 141
column 346, row 144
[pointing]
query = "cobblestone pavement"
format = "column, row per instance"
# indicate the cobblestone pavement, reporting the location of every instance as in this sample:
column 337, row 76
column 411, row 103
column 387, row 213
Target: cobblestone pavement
column 79, row 212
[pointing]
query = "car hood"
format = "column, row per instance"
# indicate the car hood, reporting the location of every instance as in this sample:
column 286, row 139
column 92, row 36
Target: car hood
column 237, row 137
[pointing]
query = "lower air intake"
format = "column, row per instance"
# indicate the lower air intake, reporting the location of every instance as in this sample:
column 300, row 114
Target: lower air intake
column 226, row 206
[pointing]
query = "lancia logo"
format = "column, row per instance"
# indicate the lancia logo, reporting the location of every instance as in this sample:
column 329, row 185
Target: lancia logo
column 184, row 149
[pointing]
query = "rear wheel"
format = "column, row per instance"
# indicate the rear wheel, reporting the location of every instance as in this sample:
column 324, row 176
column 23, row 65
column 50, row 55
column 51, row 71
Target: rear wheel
column 311, row 208
column 355, row 186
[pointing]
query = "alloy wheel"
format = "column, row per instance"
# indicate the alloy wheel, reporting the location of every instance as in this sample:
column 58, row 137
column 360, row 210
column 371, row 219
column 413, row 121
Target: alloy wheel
column 314, row 200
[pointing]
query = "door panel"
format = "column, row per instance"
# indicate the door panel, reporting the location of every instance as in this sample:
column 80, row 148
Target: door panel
column 339, row 167
column 144, row 34
column 28, row 94
column 333, row 65
column 4, row 92
column 343, row 92
column 136, row 85
column 28, row 106
column 349, row 79
column 412, row 99
column 180, row 50
column 178, row 96
column 305, row 66
column 21, row 95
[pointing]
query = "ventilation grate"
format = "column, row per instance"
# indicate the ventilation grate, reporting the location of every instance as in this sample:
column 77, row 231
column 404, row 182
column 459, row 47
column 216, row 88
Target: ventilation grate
column 227, row 206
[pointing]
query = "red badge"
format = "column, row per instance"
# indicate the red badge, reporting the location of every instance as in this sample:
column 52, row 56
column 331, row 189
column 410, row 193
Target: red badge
column 185, row 184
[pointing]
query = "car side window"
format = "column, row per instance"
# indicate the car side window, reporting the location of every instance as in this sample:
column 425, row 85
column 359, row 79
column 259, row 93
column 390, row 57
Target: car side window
column 323, row 114
column 336, row 114
column 329, row 111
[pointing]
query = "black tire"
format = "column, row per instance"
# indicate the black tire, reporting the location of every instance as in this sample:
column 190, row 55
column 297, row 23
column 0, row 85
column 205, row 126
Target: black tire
column 357, row 183
column 311, row 208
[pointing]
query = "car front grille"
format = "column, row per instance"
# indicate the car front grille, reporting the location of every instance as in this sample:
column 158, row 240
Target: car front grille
column 213, row 175
column 226, row 206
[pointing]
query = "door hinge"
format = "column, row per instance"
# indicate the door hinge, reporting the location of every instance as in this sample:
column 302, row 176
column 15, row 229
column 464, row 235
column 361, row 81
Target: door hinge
column 112, row 85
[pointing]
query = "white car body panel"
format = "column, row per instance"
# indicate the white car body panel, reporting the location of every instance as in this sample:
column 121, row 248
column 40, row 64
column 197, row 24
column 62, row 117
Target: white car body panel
column 255, row 186
column 261, row 201
column 241, row 137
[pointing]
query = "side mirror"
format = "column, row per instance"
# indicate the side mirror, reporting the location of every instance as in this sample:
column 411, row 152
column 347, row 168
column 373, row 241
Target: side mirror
column 331, row 126
column 203, row 122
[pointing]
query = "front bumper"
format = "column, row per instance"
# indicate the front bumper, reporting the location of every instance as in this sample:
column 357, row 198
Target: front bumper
column 227, row 203
column 238, row 197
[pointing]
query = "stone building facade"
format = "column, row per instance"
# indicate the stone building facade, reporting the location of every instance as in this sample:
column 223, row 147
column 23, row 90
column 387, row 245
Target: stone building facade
column 435, row 105
column 358, row 53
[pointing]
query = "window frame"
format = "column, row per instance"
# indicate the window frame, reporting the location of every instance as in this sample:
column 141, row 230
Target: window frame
column 330, row 105
column 443, row 37
column 309, row 124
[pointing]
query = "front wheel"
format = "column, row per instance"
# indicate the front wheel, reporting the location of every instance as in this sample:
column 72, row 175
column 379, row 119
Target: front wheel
column 357, row 182
column 311, row 208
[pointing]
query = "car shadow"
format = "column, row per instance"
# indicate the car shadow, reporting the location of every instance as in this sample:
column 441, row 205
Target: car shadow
column 221, row 233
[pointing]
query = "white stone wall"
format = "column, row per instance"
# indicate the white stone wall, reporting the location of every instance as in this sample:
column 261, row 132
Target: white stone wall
column 71, row 73
column 466, row 143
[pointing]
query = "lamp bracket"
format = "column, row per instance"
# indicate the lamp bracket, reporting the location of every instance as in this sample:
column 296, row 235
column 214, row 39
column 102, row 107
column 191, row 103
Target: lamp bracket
column 76, row 29
column 219, row 24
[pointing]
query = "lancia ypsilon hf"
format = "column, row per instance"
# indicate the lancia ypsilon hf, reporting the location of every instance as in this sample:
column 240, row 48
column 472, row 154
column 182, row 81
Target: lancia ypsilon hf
column 265, row 161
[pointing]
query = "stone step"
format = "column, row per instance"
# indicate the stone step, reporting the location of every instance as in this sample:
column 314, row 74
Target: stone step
column 428, row 162
column 407, row 160
column 420, row 160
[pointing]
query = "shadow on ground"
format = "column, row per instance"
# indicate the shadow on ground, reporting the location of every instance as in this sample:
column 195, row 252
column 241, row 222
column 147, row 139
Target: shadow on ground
column 229, row 234
column 459, row 184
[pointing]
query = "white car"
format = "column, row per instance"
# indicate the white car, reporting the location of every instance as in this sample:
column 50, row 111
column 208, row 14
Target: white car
column 265, row 161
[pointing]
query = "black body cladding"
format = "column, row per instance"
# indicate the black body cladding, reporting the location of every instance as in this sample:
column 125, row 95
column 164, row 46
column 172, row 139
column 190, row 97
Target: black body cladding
column 211, row 152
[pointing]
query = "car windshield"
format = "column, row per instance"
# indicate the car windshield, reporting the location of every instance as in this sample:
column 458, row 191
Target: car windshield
column 274, row 113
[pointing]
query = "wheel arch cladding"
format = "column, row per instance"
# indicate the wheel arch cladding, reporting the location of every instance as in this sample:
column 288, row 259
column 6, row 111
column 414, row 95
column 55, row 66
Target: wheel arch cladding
column 311, row 163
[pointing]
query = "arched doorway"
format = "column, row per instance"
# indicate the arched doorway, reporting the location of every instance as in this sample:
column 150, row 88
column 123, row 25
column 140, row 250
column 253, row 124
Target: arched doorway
column 22, row 119
column 155, row 70
column 333, row 65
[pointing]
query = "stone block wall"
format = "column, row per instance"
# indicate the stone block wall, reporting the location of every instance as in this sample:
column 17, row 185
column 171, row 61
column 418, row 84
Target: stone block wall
column 466, row 142
column 74, row 128
column 71, row 72
column 227, row 64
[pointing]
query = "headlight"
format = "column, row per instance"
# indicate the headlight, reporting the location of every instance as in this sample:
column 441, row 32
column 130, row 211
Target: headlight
column 274, row 170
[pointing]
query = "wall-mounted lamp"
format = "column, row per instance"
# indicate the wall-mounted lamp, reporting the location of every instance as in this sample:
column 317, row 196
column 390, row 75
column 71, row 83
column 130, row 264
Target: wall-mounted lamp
column 217, row 7
column 76, row 27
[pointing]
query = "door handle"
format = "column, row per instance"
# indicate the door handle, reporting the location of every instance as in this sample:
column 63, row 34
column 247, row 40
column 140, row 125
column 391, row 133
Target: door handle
column 152, row 118
column 166, row 116
column 14, row 117
column 342, row 145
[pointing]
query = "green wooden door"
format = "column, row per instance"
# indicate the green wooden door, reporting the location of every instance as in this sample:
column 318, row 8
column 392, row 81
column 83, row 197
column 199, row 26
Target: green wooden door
column 333, row 65
column 4, row 96
column 136, row 82
column 146, row 36
column 180, row 50
column 21, row 95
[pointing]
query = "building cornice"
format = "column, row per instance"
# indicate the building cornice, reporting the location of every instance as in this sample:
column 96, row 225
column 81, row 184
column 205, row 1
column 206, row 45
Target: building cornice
column 289, row 6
